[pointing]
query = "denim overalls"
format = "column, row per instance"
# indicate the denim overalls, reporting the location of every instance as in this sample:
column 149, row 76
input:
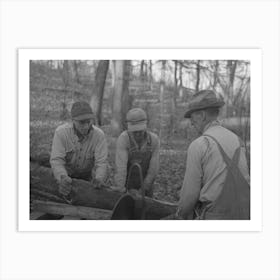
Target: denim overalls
column 141, row 155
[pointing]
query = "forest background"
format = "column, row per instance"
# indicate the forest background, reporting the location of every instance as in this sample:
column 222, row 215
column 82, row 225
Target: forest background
column 161, row 87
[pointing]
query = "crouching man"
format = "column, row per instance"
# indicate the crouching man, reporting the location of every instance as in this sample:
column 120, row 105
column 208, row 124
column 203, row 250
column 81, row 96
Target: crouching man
column 137, row 147
column 79, row 150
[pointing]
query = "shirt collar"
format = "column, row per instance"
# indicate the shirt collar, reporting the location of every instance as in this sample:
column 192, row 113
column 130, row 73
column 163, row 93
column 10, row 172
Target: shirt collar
column 211, row 124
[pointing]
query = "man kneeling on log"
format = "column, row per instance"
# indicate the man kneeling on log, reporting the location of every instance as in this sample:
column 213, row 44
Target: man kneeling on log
column 78, row 148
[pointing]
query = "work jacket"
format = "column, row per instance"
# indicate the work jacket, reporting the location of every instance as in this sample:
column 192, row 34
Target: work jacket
column 79, row 157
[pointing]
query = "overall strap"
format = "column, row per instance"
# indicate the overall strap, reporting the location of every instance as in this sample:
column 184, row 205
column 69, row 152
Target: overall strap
column 234, row 198
column 226, row 158
column 132, row 142
column 134, row 145
column 149, row 139
column 236, row 156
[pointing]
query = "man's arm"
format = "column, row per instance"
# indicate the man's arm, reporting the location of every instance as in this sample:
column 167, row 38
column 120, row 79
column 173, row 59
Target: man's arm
column 57, row 159
column 121, row 161
column 101, row 155
column 192, row 181
column 154, row 164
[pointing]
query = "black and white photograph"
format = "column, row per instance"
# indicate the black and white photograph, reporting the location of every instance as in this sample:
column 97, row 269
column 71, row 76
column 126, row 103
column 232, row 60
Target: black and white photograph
column 109, row 139
column 140, row 139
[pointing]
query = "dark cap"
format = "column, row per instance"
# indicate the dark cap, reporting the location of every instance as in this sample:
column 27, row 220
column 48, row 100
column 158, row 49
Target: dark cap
column 202, row 100
column 81, row 110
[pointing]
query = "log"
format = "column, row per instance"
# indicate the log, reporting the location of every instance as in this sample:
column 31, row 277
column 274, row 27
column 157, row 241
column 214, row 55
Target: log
column 84, row 194
column 46, row 195
column 70, row 210
column 35, row 215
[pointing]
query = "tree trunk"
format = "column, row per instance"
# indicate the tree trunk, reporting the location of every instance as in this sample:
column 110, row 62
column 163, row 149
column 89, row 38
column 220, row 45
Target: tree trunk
column 113, row 71
column 197, row 76
column 64, row 114
column 66, row 74
column 120, row 98
column 126, row 100
column 98, row 91
column 162, row 88
column 150, row 74
column 216, row 73
column 77, row 76
column 84, row 194
column 142, row 64
column 175, row 83
column 180, row 80
column 231, row 68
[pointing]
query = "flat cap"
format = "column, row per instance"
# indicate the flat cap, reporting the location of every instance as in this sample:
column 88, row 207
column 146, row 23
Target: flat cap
column 136, row 119
column 81, row 110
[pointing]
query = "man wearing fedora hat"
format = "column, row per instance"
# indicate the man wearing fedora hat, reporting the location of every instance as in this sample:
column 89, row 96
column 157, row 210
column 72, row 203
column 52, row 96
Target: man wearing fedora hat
column 136, row 145
column 78, row 148
column 216, row 182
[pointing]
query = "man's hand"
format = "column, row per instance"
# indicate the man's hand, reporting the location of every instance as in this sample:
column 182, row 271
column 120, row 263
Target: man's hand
column 65, row 185
column 148, row 187
column 96, row 184
column 118, row 189
column 134, row 192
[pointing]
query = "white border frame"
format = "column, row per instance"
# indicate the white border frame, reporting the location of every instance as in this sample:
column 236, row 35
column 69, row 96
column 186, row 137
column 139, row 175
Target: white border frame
column 25, row 55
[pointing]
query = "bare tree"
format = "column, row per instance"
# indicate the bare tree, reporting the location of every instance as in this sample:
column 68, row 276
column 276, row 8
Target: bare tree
column 162, row 89
column 120, row 98
column 98, row 90
column 180, row 80
column 76, row 71
column 197, row 76
column 176, row 75
column 216, row 73
column 126, row 101
column 150, row 74
column 65, row 72
column 142, row 64
column 113, row 71
column 231, row 68
column 175, row 83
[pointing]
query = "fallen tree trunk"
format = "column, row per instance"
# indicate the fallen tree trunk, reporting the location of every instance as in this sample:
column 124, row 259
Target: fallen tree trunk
column 46, row 196
column 71, row 210
column 84, row 194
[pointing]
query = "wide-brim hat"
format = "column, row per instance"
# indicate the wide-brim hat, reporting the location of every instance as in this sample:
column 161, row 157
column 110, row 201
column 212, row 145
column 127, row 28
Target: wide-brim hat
column 81, row 110
column 202, row 100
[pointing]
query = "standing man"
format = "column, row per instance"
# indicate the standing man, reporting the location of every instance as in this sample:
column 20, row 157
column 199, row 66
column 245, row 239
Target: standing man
column 216, row 183
column 136, row 145
column 78, row 148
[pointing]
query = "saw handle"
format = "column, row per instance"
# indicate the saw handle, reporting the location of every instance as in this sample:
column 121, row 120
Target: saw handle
column 138, row 166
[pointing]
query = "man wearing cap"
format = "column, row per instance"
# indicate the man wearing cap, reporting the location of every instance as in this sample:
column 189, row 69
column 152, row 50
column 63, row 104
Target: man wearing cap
column 136, row 145
column 206, row 192
column 78, row 148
